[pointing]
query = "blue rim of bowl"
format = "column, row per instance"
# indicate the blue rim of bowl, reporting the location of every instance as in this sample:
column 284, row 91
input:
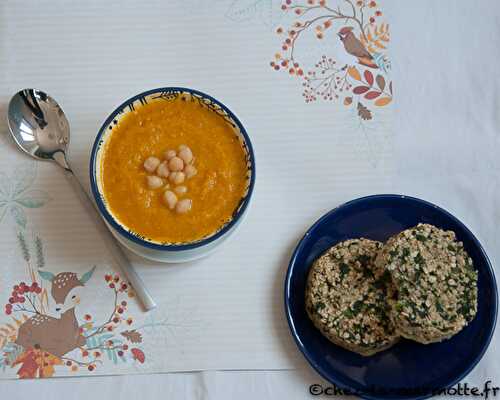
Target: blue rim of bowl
column 298, row 249
column 171, row 247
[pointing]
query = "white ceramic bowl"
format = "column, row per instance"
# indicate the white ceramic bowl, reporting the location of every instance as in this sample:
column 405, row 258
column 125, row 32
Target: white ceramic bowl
column 145, row 247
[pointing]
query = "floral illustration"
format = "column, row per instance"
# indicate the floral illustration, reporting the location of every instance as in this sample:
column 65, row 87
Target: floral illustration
column 16, row 194
column 363, row 83
column 37, row 344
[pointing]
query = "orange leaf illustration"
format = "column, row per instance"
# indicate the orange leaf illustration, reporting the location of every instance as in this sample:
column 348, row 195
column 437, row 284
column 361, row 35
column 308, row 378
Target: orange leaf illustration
column 372, row 95
column 36, row 364
column 369, row 77
column 379, row 45
column 363, row 112
column 380, row 82
column 360, row 89
column 138, row 355
column 354, row 73
column 46, row 364
column 133, row 336
column 347, row 101
column 29, row 366
column 383, row 101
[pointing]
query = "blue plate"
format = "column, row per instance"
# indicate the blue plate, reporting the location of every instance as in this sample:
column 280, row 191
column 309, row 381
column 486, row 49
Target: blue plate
column 408, row 370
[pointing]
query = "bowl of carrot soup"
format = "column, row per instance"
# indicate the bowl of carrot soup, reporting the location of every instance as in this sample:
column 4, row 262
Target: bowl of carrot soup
column 172, row 172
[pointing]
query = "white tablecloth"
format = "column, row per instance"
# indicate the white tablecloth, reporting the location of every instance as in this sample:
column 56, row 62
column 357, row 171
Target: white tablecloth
column 445, row 66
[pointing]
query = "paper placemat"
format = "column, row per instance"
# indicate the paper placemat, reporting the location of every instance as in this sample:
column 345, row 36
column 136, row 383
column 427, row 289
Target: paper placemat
column 310, row 81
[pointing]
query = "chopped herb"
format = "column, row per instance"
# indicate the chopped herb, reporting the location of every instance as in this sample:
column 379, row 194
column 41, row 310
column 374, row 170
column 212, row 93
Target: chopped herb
column 419, row 259
column 344, row 270
column 380, row 313
column 363, row 259
column 465, row 309
column 358, row 329
column 422, row 314
column 357, row 306
column 386, row 277
column 421, row 238
column 418, row 274
column 368, row 273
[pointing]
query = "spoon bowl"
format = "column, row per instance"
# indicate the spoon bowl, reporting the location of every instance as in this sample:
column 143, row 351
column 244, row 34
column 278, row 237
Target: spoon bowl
column 38, row 124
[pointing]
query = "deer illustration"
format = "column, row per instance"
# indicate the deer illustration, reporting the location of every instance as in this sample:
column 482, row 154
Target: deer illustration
column 57, row 336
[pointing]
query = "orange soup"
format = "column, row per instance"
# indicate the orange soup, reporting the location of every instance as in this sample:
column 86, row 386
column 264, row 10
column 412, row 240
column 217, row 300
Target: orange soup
column 211, row 195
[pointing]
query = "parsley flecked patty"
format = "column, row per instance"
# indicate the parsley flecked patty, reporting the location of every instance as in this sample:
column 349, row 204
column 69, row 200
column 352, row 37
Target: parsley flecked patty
column 435, row 281
column 346, row 297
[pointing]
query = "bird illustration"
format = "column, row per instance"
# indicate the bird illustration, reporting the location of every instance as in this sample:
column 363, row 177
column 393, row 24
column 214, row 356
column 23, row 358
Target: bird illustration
column 354, row 47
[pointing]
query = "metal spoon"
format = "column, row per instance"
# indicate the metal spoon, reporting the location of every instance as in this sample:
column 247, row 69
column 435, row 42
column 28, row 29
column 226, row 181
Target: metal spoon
column 40, row 128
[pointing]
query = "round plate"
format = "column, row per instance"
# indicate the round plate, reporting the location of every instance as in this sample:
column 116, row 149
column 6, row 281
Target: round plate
column 408, row 370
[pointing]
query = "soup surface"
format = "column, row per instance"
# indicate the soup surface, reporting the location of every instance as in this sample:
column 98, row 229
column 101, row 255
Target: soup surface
column 152, row 129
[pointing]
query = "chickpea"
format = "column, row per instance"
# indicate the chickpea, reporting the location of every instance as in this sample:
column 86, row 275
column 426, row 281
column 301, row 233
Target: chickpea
column 162, row 170
column 154, row 182
column 170, row 199
column 185, row 155
column 176, row 164
column 172, row 176
column 179, row 178
column 181, row 190
column 170, row 154
column 151, row 164
column 190, row 171
column 183, row 206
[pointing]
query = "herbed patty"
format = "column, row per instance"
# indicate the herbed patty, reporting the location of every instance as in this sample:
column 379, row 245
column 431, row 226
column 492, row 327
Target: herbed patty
column 346, row 297
column 435, row 281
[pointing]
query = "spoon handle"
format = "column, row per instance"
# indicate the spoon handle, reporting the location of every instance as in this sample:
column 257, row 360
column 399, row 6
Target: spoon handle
column 123, row 262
